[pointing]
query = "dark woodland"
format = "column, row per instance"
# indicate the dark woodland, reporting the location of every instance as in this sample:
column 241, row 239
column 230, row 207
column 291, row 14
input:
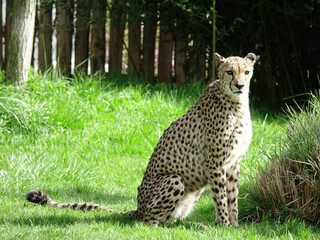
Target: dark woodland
column 171, row 41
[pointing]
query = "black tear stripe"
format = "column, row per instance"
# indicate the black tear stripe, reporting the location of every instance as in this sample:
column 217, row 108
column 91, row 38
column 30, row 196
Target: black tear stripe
column 231, row 82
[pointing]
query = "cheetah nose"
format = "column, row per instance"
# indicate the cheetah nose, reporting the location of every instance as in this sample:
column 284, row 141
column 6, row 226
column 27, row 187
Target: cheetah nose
column 239, row 86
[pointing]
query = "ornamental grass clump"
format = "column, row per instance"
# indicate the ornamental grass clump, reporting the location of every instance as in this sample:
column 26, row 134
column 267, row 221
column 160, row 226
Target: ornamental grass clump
column 289, row 185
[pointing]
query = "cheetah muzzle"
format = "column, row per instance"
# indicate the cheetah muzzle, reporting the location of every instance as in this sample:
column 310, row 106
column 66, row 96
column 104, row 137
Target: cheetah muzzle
column 203, row 147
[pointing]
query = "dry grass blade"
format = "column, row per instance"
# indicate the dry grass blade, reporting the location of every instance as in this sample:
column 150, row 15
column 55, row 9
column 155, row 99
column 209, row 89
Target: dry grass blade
column 289, row 185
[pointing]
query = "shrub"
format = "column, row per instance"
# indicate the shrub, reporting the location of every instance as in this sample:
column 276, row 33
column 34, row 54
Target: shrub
column 289, row 185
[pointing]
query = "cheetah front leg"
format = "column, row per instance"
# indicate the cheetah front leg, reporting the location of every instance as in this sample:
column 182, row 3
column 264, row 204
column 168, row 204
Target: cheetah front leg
column 217, row 183
column 232, row 182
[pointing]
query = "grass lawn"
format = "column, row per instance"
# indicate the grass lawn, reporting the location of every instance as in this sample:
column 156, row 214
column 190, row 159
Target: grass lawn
column 89, row 140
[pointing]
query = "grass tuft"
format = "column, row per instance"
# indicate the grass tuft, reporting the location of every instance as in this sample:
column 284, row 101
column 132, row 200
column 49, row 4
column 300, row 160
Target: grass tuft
column 289, row 185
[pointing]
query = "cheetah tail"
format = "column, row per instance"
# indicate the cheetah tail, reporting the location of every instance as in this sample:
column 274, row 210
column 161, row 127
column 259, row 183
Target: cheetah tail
column 39, row 197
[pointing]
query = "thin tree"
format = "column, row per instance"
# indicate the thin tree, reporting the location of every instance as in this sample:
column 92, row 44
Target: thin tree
column 1, row 36
column 21, row 40
column 45, row 35
column 7, row 30
column 149, row 39
column 180, row 55
column 82, row 36
column 134, row 22
column 35, row 34
column 98, row 36
column 165, row 47
column 116, row 35
column 213, row 38
column 199, row 57
column 64, row 35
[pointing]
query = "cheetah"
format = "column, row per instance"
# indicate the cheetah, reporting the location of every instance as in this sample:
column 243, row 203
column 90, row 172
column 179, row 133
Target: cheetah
column 203, row 147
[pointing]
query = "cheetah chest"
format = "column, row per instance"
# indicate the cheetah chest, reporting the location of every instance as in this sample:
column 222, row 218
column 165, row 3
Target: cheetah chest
column 240, row 139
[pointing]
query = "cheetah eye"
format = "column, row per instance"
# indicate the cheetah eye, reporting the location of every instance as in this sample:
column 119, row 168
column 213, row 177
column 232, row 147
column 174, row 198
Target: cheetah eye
column 246, row 72
column 229, row 72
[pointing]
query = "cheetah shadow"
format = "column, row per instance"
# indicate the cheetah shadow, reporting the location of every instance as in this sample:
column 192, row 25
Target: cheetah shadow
column 66, row 219
column 69, row 218
column 62, row 217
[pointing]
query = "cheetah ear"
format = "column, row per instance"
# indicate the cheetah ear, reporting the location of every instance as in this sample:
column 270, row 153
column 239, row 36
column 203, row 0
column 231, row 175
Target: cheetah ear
column 252, row 57
column 218, row 59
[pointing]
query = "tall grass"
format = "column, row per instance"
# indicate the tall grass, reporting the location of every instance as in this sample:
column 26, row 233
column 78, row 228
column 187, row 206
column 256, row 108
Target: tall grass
column 289, row 185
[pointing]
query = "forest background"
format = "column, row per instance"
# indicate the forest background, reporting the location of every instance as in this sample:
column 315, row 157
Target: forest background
column 171, row 41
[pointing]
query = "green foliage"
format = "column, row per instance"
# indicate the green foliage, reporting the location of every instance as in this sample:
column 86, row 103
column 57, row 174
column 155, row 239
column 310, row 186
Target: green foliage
column 88, row 139
column 304, row 134
column 289, row 185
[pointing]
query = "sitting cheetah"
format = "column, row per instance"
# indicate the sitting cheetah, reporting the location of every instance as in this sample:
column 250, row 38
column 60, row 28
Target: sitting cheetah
column 203, row 147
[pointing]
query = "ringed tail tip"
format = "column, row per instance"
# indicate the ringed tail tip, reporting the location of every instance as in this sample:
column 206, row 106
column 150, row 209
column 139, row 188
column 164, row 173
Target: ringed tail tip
column 37, row 196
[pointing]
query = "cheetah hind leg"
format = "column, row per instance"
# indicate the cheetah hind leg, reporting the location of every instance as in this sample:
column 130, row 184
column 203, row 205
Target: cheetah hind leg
column 158, row 199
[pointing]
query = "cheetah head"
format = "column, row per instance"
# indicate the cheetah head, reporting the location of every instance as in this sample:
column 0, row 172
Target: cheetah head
column 235, row 73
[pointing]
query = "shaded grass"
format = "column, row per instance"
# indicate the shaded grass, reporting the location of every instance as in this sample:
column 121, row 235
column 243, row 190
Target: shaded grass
column 89, row 140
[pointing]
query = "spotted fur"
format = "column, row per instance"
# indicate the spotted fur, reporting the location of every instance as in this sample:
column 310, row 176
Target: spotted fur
column 203, row 147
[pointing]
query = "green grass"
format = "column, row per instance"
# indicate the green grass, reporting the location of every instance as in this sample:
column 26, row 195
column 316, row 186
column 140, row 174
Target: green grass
column 89, row 140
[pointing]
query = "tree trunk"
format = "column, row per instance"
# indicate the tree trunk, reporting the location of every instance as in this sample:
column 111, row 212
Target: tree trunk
column 82, row 36
column 9, row 5
column 64, row 35
column 20, row 49
column 165, row 49
column 98, row 36
column 116, row 35
column 211, row 68
column 149, row 40
column 134, row 64
column 1, row 36
column 180, row 60
column 201, row 64
column 45, row 36
column 35, row 34
column 197, row 60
